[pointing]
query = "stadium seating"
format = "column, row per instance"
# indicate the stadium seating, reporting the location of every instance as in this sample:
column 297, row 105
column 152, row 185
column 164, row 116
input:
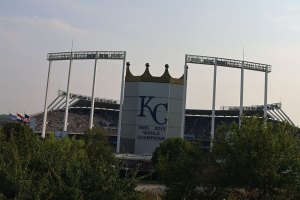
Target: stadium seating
column 198, row 126
column 78, row 120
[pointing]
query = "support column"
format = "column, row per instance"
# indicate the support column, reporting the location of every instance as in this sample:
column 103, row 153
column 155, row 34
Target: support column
column 184, row 97
column 45, row 105
column 121, row 103
column 67, row 95
column 93, row 93
column 266, row 93
column 241, row 95
column 212, row 134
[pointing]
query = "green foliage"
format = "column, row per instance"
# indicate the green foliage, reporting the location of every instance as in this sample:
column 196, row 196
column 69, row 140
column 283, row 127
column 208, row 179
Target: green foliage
column 4, row 119
column 185, row 170
column 169, row 151
column 261, row 158
column 258, row 160
column 32, row 168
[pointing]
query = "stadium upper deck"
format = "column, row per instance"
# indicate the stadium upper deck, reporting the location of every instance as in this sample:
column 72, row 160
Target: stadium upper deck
column 197, row 122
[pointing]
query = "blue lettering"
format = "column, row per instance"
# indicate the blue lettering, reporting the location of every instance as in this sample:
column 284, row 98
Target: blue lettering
column 153, row 112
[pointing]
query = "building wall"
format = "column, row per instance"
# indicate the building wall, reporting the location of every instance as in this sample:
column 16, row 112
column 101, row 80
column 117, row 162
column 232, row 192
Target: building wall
column 151, row 113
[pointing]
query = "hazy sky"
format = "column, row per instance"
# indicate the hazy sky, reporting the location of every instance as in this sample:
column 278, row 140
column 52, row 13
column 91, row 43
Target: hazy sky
column 157, row 32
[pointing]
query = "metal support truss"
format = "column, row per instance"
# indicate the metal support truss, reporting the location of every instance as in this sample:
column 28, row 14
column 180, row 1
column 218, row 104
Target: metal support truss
column 77, row 55
column 84, row 55
column 239, row 64
column 225, row 62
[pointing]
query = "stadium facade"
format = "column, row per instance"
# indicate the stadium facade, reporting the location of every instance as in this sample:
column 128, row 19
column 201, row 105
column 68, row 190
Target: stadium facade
column 197, row 121
column 151, row 109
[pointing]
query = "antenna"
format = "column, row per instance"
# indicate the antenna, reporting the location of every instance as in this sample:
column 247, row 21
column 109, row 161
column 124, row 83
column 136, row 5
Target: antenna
column 243, row 53
column 72, row 45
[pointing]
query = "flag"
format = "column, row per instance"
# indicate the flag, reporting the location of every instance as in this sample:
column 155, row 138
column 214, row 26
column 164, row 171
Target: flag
column 27, row 118
column 20, row 118
column 13, row 117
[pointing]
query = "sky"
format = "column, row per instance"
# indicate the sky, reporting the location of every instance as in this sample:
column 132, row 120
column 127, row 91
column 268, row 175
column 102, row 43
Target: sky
column 154, row 32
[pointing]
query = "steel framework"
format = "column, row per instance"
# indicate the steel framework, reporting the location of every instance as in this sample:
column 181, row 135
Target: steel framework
column 83, row 55
column 225, row 62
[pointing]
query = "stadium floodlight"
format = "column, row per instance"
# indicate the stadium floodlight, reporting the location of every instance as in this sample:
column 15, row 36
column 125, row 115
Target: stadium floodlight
column 84, row 55
column 232, row 63
column 225, row 62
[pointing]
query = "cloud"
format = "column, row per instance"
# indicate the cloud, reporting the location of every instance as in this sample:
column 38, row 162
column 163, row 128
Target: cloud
column 38, row 34
column 286, row 18
column 291, row 8
column 16, row 27
column 25, row 42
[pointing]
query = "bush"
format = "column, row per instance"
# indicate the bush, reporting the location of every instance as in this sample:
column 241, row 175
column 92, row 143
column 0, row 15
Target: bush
column 32, row 168
column 258, row 160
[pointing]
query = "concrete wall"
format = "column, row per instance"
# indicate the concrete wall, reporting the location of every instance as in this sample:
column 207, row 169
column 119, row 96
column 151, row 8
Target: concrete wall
column 151, row 113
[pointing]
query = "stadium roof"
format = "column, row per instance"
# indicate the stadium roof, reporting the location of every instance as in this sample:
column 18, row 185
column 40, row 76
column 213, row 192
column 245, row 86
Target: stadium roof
column 87, row 104
column 227, row 113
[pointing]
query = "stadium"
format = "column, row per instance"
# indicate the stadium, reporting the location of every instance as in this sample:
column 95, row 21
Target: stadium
column 197, row 122
column 150, row 108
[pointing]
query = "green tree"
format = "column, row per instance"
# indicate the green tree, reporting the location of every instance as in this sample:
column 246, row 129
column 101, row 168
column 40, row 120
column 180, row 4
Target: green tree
column 185, row 170
column 101, row 178
column 32, row 168
column 259, row 160
column 15, row 155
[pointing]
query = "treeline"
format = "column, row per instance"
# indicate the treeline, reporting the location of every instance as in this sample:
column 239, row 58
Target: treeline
column 255, row 161
column 32, row 168
column 258, row 160
column 4, row 119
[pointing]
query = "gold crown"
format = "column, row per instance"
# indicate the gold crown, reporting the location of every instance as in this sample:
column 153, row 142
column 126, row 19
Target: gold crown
column 147, row 77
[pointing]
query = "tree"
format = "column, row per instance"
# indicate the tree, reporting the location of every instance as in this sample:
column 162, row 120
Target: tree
column 32, row 168
column 101, row 178
column 259, row 159
column 185, row 170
